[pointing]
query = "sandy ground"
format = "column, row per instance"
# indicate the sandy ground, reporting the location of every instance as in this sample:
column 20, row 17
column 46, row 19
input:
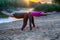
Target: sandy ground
column 49, row 29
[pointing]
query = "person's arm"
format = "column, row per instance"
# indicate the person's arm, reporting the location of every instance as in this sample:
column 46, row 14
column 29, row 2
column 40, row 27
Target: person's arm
column 6, row 13
column 45, row 14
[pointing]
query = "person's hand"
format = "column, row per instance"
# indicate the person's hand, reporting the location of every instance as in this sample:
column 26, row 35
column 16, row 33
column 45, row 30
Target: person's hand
column 45, row 14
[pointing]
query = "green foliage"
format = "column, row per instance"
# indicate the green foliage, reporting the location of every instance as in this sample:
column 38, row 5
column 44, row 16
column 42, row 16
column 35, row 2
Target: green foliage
column 56, row 1
column 3, row 15
column 47, row 7
column 8, row 4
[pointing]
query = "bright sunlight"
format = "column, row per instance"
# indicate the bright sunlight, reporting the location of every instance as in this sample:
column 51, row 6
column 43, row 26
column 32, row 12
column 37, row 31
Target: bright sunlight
column 34, row 0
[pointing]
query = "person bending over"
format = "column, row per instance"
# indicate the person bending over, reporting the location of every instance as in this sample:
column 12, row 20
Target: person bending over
column 23, row 15
column 36, row 14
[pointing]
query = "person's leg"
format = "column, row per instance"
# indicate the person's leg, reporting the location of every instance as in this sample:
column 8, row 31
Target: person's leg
column 33, row 21
column 25, row 21
column 30, row 21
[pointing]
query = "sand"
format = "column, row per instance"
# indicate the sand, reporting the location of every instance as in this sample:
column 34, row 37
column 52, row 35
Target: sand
column 48, row 29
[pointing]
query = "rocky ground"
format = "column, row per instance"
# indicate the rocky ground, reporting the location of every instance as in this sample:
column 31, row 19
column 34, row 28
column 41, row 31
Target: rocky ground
column 48, row 29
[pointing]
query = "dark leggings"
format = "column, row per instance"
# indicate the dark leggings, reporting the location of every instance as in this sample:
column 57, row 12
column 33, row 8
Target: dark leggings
column 31, row 21
column 25, row 21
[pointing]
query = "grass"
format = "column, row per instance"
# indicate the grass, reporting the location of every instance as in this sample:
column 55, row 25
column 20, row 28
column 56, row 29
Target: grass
column 47, row 7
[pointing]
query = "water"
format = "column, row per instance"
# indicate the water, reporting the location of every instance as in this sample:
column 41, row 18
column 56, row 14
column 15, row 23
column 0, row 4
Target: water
column 9, row 19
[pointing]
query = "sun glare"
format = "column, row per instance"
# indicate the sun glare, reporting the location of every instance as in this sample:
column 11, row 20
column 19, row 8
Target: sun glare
column 34, row 0
column 26, row 2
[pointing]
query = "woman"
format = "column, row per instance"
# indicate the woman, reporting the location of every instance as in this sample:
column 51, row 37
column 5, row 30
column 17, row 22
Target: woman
column 36, row 14
column 23, row 15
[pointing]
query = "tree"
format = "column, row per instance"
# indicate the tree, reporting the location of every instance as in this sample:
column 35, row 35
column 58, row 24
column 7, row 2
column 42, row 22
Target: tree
column 56, row 1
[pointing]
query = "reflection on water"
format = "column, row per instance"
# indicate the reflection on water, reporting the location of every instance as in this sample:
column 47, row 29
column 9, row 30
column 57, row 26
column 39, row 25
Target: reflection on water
column 10, row 19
